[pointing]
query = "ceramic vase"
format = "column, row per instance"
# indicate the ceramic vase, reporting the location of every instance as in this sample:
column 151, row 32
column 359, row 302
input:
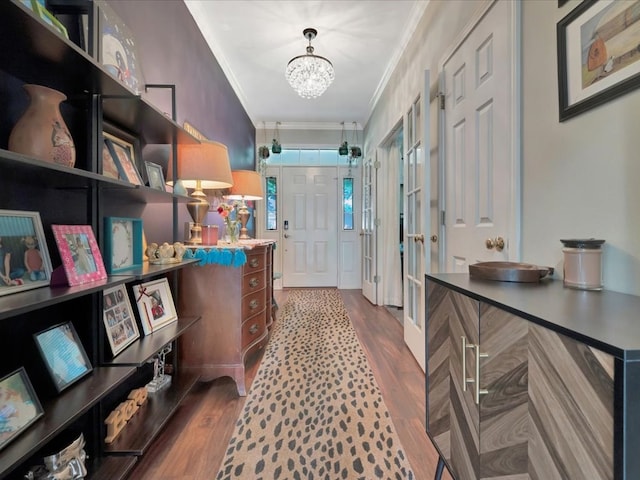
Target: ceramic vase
column 41, row 132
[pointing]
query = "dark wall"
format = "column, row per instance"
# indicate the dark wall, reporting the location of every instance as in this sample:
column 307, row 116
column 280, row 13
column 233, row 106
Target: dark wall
column 172, row 50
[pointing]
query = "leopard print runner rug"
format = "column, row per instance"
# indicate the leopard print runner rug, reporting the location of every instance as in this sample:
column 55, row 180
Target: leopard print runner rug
column 314, row 410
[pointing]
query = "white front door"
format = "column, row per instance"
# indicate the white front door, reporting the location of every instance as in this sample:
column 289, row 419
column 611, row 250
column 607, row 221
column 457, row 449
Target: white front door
column 310, row 235
column 481, row 171
column 368, row 233
column 416, row 223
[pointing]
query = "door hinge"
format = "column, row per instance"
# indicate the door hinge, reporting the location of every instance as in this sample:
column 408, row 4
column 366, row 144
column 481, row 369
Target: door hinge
column 377, row 222
column 442, row 218
column 441, row 97
column 376, row 279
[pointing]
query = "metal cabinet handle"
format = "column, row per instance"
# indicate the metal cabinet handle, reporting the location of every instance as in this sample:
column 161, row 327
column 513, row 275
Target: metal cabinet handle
column 254, row 282
column 465, row 380
column 254, row 262
column 253, row 304
column 479, row 391
column 253, row 329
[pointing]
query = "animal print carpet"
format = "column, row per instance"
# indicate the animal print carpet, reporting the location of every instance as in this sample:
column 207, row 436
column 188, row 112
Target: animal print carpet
column 314, row 410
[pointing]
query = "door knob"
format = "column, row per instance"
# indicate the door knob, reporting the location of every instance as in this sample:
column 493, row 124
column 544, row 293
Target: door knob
column 497, row 243
column 418, row 238
column 286, row 235
column 434, row 238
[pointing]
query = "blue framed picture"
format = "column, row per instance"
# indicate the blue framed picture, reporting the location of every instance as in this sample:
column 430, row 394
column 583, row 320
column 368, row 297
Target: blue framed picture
column 122, row 244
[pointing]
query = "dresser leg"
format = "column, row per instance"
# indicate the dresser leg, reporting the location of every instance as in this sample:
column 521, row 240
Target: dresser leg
column 439, row 469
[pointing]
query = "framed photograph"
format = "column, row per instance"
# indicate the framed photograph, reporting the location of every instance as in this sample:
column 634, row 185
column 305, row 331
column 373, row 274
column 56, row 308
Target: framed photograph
column 63, row 354
column 155, row 305
column 117, row 49
column 19, row 405
column 123, row 157
column 119, row 322
column 155, row 176
column 122, row 243
column 24, row 257
column 81, row 258
column 47, row 17
column 598, row 55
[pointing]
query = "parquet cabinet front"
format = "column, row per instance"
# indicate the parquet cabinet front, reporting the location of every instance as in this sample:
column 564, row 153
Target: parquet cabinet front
column 235, row 305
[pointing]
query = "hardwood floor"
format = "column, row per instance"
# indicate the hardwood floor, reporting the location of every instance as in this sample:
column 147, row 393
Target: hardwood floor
column 192, row 445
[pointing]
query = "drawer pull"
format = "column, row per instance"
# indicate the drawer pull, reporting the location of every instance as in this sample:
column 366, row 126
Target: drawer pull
column 253, row 329
column 253, row 304
column 254, row 282
column 254, row 262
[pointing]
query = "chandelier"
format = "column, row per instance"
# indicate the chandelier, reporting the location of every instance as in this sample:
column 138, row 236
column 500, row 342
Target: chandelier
column 309, row 75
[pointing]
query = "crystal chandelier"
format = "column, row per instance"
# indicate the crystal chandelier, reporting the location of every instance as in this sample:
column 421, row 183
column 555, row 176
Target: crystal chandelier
column 309, row 75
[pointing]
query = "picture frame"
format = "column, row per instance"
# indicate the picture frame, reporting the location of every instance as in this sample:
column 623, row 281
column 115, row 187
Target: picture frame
column 155, row 176
column 122, row 244
column 155, row 305
column 117, row 50
column 121, row 154
column 598, row 59
column 47, row 17
column 21, row 403
column 119, row 322
column 24, row 257
column 63, row 355
column 81, row 257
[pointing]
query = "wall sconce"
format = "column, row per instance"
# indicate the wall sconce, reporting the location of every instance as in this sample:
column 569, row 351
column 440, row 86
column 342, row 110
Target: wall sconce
column 343, row 149
column 247, row 185
column 202, row 166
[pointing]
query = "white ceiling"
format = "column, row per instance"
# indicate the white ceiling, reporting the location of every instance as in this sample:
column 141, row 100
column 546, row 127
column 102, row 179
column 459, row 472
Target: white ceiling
column 253, row 40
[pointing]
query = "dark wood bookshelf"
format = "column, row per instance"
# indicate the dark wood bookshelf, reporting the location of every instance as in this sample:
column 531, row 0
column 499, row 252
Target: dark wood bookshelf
column 110, row 468
column 150, row 270
column 61, row 412
column 152, row 416
column 144, row 349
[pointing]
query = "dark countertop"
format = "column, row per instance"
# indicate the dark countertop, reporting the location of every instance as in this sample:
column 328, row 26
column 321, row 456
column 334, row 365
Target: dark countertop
column 606, row 320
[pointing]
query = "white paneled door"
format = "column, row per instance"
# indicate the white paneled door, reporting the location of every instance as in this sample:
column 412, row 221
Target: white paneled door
column 480, row 156
column 368, row 233
column 310, row 233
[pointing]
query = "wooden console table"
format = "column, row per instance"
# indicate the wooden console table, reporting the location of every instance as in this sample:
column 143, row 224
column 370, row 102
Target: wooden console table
column 235, row 304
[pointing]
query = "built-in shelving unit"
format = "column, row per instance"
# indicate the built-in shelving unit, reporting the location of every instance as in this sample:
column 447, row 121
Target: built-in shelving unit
column 33, row 52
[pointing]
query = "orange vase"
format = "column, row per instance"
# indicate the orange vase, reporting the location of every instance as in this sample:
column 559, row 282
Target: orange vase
column 41, row 132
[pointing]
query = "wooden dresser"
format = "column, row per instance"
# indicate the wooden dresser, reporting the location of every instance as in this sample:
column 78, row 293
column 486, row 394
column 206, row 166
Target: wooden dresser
column 235, row 304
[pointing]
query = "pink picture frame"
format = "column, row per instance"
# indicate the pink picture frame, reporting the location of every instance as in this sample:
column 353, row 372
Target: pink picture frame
column 81, row 258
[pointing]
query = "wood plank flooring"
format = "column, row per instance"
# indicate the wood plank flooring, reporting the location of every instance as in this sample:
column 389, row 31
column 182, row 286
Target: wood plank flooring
column 192, row 445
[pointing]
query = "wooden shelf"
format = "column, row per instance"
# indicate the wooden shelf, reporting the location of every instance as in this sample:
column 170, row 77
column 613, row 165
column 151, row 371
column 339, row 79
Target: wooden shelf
column 149, row 270
column 110, row 468
column 60, row 413
column 144, row 349
column 152, row 416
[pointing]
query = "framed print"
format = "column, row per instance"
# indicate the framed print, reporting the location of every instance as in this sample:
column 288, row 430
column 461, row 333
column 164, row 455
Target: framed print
column 24, row 257
column 117, row 49
column 155, row 176
column 81, row 258
column 119, row 322
column 598, row 55
column 155, row 305
column 63, row 355
column 19, row 405
column 123, row 156
column 122, row 244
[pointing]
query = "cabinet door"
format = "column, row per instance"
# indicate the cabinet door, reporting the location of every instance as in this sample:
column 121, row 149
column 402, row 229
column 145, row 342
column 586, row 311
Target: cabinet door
column 453, row 416
column 571, row 407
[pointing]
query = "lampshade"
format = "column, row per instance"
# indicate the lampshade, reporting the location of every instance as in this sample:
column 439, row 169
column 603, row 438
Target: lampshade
column 309, row 75
column 247, row 185
column 206, row 162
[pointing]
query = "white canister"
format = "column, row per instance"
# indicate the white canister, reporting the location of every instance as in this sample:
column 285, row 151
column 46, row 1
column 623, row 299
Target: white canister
column 583, row 263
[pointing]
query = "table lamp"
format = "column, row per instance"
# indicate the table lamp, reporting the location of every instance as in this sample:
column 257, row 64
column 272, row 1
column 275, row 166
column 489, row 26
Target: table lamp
column 202, row 166
column 247, row 185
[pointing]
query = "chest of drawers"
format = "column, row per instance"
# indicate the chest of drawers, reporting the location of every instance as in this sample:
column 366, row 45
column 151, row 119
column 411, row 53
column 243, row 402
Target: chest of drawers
column 235, row 305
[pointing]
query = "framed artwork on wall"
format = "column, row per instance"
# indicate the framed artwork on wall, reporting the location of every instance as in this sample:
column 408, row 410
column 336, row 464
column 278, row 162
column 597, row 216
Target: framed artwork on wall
column 598, row 55
column 19, row 403
column 119, row 322
column 24, row 257
column 81, row 257
column 155, row 305
column 122, row 244
column 63, row 355
column 122, row 155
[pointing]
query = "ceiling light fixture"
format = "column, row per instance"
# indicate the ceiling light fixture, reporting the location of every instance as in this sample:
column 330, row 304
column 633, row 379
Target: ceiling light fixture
column 309, row 75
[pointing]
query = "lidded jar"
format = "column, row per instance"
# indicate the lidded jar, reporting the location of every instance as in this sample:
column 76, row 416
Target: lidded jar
column 583, row 263
column 41, row 132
